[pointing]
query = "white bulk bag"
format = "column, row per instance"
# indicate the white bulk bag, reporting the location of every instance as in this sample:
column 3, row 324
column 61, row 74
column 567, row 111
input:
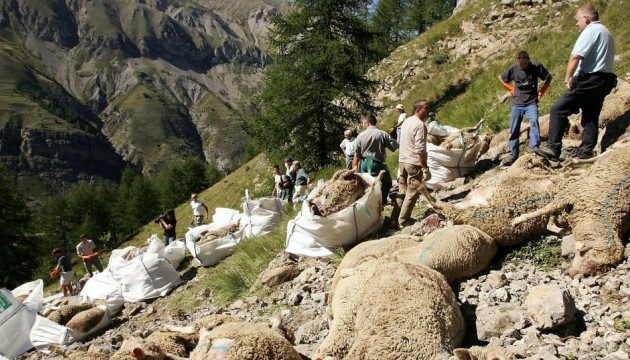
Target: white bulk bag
column 46, row 332
column 313, row 235
column 262, row 216
column 35, row 291
column 103, row 286
column 448, row 165
column 119, row 257
column 145, row 277
column 16, row 321
column 224, row 217
column 175, row 252
column 213, row 251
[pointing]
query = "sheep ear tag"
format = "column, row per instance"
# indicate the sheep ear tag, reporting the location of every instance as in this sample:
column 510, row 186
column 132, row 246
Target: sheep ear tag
column 220, row 348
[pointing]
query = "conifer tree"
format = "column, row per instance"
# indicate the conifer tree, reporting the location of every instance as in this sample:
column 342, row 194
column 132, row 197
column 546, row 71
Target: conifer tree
column 317, row 85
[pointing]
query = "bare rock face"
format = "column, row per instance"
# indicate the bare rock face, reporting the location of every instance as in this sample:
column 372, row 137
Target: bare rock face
column 549, row 306
column 126, row 83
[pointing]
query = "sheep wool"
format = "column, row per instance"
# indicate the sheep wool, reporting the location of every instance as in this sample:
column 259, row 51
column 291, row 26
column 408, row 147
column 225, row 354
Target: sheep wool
column 243, row 341
column 597, row 207
column 406, row 312
column 457, row 252
column 86, row 320
column 137, row 345
column 342, row 190
column 373, row 249
column 67, row 312
column 174, row 343
column 482, row 353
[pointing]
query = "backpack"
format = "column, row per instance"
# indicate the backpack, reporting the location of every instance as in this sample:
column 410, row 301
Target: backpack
column 286, row 181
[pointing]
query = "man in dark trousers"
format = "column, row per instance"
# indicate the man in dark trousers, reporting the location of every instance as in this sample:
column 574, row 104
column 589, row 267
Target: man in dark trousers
column 525, row 96
column 370, row 152
column 589, row 78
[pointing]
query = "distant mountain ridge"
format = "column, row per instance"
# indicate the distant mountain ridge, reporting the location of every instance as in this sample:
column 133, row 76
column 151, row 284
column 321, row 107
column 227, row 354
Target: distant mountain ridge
column 136, row 82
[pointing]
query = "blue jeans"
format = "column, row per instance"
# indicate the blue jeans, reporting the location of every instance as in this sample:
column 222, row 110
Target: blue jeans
column 349, row 160
column 531, row 112
column 168, row 239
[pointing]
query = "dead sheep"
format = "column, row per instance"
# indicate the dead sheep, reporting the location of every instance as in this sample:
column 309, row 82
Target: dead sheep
column 210, row 235
column 174, row 343
column 597, row 208
column 456, row 252
column 482, row 353
column 373, row 249
column 342, row 190
column 137, row 348
column 498, row 200
column 242, row 341
column 86, row 320
column 405, row 311
column 67, row 312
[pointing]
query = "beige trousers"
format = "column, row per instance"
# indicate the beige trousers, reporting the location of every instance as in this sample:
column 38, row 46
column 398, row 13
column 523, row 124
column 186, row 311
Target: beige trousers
column 409, row 185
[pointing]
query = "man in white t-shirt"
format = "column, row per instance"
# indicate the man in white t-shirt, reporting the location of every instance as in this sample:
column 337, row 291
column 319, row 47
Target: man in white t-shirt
column 347, row 146
column 87, row 251
column 197, row 207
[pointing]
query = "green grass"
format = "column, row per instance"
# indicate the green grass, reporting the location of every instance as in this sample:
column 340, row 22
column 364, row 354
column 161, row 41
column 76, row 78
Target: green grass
column 462, row 94
column 622, row 325
column 542, row 253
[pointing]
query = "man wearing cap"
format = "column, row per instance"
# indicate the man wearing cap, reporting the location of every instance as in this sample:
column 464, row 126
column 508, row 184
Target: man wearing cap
column 347, row 146
column 197, row 207
column 589, row 78
column 402, row 115
column 370, row 152
column 87, row 251
column 413, row 166
column 525, row 96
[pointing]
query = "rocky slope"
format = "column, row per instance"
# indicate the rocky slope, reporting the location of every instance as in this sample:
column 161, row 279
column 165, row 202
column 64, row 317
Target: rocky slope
column 140, row 82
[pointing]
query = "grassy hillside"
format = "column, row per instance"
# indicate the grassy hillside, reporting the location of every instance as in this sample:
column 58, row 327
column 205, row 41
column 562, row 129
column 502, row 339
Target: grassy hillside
column 464, row 89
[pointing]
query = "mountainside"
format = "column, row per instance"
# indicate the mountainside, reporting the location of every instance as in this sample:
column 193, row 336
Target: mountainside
column 89, row 86
column 455, row 64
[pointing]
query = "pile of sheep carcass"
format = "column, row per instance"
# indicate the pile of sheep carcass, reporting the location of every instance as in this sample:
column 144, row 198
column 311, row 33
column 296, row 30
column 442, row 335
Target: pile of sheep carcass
column 341, row 191
column 209, row 235
column 78, row 317
column 212, row 337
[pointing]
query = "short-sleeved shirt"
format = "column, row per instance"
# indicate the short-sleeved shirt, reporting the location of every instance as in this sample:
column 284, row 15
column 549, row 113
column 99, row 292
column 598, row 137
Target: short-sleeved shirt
column 401, row 119
column 373, row 140
column 413, row 141
column 348, row 146
column 171, row 231
column 65, row 263
column 86, row 248
column 525, row 82
column 596, row 47
column 197, row 207
column 301, row 177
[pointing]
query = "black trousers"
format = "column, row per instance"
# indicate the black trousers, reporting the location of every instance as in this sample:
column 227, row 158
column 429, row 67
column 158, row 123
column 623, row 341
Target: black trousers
column 588, row 95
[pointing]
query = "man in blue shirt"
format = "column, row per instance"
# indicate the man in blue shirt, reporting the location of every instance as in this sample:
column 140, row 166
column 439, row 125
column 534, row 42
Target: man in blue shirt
column 589, row 78
column 64, row 265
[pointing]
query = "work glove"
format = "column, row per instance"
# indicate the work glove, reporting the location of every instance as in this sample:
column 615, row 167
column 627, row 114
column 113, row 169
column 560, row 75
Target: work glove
column 426, row 174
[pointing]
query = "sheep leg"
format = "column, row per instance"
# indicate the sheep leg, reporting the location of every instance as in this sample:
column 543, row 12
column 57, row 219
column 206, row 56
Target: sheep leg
column 186, row 330
column 423, row 190
column 552, row 227
column 548, row 209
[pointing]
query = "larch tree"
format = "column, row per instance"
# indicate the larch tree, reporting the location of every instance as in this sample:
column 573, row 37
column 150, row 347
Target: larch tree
column 317, row 85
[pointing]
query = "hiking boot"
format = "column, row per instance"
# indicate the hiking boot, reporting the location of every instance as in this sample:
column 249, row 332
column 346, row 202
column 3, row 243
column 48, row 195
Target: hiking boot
column 585, row 155
column 547, row 153
column 532, row 149
column 507, row 161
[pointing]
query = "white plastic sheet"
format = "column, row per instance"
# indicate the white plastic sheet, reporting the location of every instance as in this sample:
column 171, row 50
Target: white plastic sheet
column 312, row 235
column 16, row 322
column 261, row 216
